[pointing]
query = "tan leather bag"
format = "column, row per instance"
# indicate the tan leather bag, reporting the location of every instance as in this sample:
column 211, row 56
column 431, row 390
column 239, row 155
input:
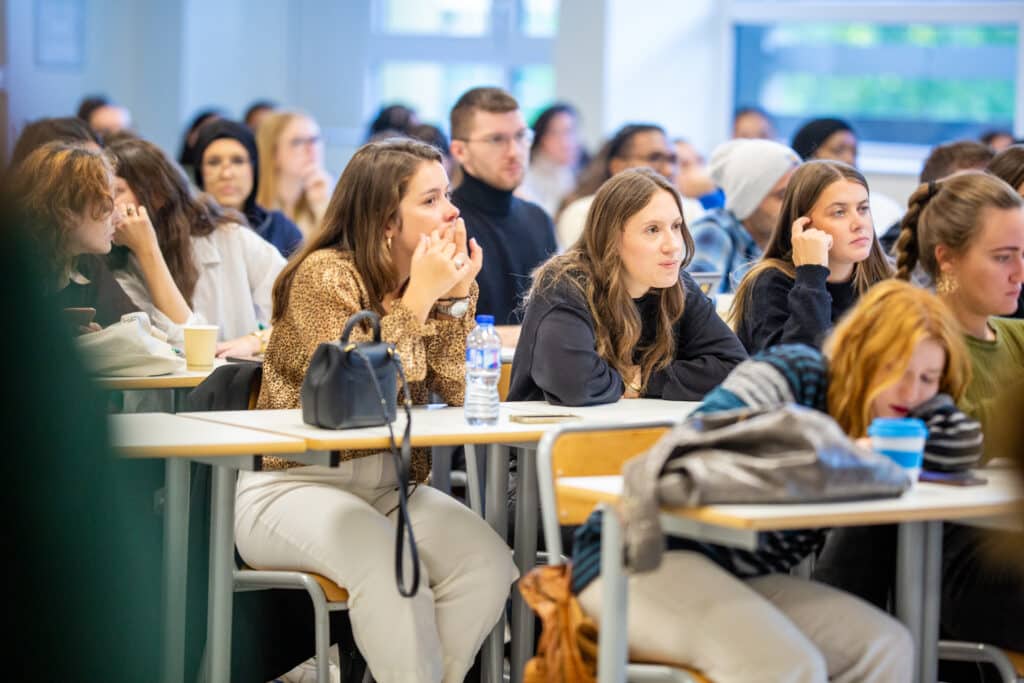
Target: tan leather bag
column 567, row 652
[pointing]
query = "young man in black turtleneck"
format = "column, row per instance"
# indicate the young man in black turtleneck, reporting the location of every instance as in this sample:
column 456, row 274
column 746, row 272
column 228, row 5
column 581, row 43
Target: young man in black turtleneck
column 491, row 141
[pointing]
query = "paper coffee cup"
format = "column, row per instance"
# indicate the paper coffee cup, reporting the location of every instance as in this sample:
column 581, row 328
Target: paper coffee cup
column 901, row 440
column 200, row 346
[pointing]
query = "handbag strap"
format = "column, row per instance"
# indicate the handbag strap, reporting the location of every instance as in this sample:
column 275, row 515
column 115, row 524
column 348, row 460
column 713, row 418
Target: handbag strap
column 403, row 463
column 359, row 317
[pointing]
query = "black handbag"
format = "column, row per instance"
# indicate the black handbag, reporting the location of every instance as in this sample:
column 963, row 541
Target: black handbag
column 334, row 396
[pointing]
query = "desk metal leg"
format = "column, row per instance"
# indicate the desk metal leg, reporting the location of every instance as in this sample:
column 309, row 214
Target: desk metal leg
column 473, row 488
column 613, row 649
column 910, row 595
column 175, row 567
column 932, row 590
column 496, row 514
column 526, row 558
column 222, row 560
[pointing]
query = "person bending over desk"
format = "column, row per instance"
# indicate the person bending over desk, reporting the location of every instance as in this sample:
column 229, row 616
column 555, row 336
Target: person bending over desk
column 391, row 242
column 738, row 615
column 615, row 316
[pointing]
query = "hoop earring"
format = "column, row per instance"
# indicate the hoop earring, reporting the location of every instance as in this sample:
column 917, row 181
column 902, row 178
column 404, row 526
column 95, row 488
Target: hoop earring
column 947, row 285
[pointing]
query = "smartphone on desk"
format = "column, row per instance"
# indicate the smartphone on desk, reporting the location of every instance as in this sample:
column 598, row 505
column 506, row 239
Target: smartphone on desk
column 542, row 418
column 965, row 478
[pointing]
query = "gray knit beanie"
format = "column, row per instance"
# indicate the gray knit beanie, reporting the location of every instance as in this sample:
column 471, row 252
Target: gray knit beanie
column 746, row 170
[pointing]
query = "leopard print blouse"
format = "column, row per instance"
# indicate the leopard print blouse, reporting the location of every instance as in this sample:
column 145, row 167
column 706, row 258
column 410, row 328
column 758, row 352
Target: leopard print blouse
column 325, row 292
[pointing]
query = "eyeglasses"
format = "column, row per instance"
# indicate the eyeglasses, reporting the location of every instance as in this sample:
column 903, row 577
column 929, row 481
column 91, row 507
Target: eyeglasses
column 296, row 143
column 658, row 158
column 523, row 138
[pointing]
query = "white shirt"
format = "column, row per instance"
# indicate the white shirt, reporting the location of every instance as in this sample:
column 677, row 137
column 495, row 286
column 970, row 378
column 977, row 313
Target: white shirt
column 237, row 269
column 570, row 223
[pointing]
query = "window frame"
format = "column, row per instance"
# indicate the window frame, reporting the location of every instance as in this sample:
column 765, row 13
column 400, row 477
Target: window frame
column 877, row 157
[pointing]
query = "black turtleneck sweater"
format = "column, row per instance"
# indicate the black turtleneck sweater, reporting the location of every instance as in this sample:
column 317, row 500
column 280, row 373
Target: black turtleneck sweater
column 784, row 311
column 516, row 237
column 556, row 358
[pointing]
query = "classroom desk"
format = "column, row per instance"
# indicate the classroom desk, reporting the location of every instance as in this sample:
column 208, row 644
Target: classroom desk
column 186, row 379
column 919, row 513
column 439, row 426
column 175, row 438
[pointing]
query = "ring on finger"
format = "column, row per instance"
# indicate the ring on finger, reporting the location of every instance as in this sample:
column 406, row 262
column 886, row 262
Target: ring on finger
column 460, row 260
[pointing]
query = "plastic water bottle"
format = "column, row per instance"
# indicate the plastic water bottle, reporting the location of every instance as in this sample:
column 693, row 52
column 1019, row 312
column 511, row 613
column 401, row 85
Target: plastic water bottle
column 483, row 369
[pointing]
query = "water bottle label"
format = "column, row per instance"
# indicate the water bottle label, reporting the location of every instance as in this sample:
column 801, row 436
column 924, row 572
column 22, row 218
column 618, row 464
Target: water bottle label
column 483, row 359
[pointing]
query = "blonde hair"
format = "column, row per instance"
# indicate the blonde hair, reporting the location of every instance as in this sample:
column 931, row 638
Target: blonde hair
column 268, row 138
column 594, row 267
column 871, row 346
column 948, row 212
column 809, row 181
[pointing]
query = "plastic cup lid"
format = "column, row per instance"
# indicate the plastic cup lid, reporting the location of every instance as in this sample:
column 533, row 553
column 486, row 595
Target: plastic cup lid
column 898, row 427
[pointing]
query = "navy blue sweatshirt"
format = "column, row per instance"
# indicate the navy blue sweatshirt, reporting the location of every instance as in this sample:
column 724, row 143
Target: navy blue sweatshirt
column 784, row 311
column 556, row 358
column 516, row 237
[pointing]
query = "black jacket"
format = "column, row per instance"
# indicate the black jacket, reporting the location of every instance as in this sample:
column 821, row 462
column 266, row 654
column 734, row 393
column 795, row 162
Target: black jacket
column 556, row 358
column 784, row 311
column 516, row 237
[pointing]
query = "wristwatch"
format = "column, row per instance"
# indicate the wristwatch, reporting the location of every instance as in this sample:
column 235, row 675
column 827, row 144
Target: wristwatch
column 454, row 308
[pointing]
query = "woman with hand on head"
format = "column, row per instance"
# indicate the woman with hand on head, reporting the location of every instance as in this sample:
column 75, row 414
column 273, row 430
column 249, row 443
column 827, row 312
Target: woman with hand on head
column 616, row 316
column 821, row 258
column 294, row 180
column 228, row 168
column 224, row 270
column 392, row 243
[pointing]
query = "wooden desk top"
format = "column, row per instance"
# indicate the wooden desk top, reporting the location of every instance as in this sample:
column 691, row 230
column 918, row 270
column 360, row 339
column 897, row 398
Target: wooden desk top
column 186, row 379
column 162, row 435
column 446, row 426
column 926, row 501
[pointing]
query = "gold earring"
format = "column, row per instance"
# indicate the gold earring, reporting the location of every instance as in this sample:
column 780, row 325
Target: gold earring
column 389, row 242
column 947, row 285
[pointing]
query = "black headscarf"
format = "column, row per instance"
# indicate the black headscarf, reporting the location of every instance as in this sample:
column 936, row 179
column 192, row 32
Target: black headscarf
column 223, row 128
column 813, row 133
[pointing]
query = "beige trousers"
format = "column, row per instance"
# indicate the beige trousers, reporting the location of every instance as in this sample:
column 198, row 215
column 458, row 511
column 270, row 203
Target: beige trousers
column 775, row 629
column 339, row 522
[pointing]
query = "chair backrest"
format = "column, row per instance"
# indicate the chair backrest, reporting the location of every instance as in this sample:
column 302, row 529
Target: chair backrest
column 584, row 451
column 504, row 381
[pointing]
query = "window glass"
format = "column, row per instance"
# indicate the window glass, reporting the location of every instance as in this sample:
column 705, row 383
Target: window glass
column 539, row 18
column 440, row 17
column 896, row 83
column 432, row 88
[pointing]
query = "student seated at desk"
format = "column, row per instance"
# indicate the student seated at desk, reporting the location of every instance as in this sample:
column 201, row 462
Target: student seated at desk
column 65, row 192
column 967, row 232
column 391, row 242
column 737, row 615
column 821, row 258
column 616, row 316
column 224, row 270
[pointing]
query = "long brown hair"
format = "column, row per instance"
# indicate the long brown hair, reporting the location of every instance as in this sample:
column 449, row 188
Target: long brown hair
column 54, row 187
column 365, row 201
column 871, row 346
column 593, row 266
column 947, row 212
column 807, row 184
column 177, row 213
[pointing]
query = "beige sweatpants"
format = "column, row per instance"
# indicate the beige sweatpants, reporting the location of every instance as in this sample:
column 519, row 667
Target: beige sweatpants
column 775, row 629
column 335, row 522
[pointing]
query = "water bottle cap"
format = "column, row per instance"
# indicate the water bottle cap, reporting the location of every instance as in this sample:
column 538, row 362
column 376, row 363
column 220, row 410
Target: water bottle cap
column 485, row 319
